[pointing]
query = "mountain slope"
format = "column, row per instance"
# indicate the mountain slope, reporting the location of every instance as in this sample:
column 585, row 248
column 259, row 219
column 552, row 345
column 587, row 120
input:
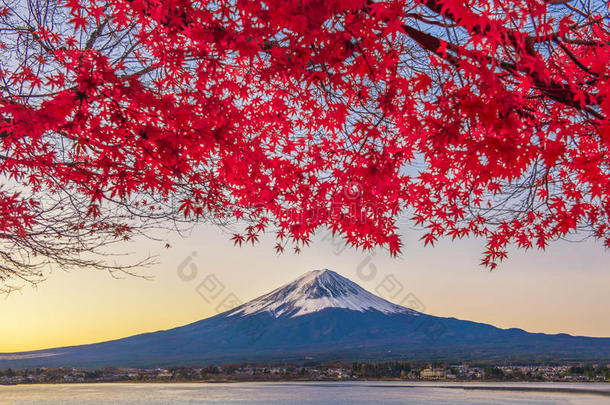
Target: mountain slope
column 319, row 316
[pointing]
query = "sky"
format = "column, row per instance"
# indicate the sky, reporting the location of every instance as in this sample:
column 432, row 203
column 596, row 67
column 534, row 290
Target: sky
column 564, row 289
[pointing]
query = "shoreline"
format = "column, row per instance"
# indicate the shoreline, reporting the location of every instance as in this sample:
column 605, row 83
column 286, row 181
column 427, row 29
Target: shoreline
column 524, row 386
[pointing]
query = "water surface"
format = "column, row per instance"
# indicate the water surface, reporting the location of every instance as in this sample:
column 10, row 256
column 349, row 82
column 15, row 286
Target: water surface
column 310, row 393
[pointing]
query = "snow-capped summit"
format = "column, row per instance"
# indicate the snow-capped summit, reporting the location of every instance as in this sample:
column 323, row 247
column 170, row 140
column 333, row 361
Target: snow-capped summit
column 314, row 291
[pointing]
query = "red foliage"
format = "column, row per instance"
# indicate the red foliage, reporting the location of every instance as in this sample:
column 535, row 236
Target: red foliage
column 483, row 118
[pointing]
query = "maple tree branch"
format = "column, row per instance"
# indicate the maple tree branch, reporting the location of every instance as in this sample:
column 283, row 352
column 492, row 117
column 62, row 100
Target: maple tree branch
column 552, row 89
column 431, row 43
column 574, row 58
column 549, row 87
column 95, row 35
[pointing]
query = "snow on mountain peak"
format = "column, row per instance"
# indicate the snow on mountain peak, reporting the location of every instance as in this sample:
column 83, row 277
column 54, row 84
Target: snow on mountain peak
column 314, row 291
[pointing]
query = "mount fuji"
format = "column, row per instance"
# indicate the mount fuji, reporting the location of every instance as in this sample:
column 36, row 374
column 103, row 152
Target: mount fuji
column 319, row 316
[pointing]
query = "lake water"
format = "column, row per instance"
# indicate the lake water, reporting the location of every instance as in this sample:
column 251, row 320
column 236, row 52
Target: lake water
column 310, row 393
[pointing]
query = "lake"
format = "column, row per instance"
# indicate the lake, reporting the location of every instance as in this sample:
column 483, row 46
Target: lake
column 318, row 393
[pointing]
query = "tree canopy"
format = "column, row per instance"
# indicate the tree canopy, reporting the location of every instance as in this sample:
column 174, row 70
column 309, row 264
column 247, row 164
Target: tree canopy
column 484, row 118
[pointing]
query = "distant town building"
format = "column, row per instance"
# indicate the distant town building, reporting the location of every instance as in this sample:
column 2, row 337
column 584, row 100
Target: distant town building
column 433, row 373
